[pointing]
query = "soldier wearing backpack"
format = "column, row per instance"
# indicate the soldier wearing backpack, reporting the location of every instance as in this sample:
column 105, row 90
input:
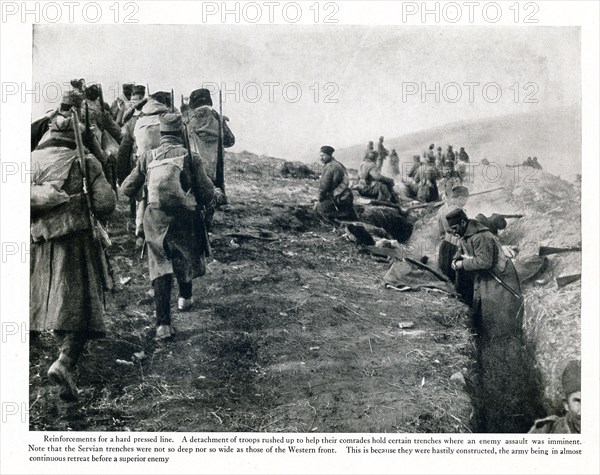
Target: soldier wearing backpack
column 141, row 134
column 178, row 188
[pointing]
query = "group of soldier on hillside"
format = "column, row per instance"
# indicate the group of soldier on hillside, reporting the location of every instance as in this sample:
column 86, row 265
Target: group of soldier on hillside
column 169, row 163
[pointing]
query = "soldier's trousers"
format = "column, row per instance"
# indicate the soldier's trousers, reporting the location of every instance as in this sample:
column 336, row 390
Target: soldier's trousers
column 162, row 296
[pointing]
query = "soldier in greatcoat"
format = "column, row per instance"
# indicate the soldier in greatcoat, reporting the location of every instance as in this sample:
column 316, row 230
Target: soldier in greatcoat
column 335, row 197
column 203, row 125
column 174, row 232
column 498, row 313
column 66, row 291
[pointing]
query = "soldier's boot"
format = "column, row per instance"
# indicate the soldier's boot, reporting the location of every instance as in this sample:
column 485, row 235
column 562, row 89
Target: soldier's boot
column 62, row 373
column 63, row 370
column 220, row 196
column 185, row 300
column 162, row 299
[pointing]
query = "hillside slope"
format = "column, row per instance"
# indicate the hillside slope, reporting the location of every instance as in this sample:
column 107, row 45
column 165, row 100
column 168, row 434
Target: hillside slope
column 552, row 136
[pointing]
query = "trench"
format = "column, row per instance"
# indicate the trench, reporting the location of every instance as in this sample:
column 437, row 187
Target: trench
column 506, row 389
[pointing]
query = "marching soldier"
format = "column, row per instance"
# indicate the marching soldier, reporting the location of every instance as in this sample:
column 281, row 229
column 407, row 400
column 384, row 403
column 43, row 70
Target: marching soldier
column 66, row 290
column 142, row 135
column 204, row 124
column 178, row 190
column 121, row 102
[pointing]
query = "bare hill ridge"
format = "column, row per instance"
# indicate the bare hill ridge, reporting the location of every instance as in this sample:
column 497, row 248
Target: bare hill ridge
column 554, row 136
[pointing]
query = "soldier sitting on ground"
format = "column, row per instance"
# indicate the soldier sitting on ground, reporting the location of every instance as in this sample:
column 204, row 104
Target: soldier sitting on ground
column 335, row 197
column 372, row 183
column 570, row 423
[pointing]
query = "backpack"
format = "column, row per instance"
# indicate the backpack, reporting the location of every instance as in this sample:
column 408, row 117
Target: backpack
column 163, row 182
column 147, row 133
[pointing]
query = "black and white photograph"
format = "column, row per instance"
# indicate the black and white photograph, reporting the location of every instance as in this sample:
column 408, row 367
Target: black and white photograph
column 293, row 230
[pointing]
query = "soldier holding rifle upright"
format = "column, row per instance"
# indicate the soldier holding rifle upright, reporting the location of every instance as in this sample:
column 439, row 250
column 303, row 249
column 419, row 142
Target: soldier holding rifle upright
column 69, row 272
column 209, row 134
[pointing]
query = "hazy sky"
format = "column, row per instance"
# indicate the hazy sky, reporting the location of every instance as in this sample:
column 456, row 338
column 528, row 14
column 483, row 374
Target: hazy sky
column 364, row 69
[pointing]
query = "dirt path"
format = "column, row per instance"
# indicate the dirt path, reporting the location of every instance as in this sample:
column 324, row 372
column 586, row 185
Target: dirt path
column 294, row 335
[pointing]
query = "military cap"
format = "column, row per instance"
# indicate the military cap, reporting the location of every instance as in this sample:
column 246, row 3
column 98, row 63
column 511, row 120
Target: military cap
column 78, row 83
column 571, row 377
column 92, row 92
column 431, row 147
column 454, row 217
column 460, row 191
column 440, row 149
column 417, row 158
column 327, row 150
column 170, row 123
column 497, row 221
column 200, row 97
column 139, row 89
column 163, row 97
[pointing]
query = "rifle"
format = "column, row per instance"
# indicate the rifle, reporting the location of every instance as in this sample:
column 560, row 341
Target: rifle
column 201, row 212
column 172, row 108
column 485, row 191
column 419, row 264
column 98, row 233
column 563, row 280
column 546, row 251
column 431, row 205
column 112, row 165
column 220, row 171
column 511, row 215
column 505, row 285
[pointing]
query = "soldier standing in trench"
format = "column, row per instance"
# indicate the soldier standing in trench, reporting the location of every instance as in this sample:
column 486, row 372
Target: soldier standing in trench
column 497, row 311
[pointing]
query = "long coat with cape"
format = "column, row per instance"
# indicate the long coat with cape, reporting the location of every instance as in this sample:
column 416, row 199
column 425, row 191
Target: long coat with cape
column 65, row 282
